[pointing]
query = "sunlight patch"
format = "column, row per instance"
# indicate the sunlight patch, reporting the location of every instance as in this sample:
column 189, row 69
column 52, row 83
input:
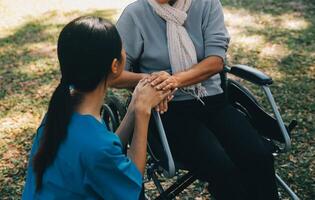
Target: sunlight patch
column 293, row 23
column 5, row 33
column 45, row 91
column 274, row 73
column 240, row 18
column 248, row 42
column 233, row 30
column 275, row 51
column 39, row 67
column 13, row 123
column 43, row 49
column 311, row 71
column 18, row 12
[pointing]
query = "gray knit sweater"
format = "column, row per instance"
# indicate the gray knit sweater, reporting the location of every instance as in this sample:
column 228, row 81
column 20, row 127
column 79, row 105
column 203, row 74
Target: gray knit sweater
column 144, row 38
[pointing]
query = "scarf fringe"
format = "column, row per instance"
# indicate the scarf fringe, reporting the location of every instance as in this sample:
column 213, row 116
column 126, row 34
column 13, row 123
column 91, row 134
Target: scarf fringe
column 197, row 91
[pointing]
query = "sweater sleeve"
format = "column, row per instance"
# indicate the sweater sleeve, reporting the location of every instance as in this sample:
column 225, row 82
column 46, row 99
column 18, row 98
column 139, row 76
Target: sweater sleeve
column 131, row 38
column 216, row 36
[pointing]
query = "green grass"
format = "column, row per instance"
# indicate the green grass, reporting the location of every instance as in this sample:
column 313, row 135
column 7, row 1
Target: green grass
column 275, row 36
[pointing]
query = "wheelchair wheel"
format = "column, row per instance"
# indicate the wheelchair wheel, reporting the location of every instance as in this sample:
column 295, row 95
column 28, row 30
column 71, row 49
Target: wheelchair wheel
column 113, row 112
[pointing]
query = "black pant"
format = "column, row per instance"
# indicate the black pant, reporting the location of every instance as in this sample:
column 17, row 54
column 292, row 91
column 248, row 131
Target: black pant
column 217, row 142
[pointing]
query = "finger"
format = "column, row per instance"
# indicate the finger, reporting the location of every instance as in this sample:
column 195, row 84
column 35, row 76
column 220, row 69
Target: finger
column 165, row 106
column 142, row 82
column 153, row 77
column 163, row 84
column 157, row 81
column 173, row 91
column 164, row 94
column 168, row 87
column 157, row 109
column 161, row 107
column 170, row 98
column 171, row 95
column 172, row 84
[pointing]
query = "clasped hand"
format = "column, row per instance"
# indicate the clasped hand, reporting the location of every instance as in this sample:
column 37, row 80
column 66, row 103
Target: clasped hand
column 154, row 91
column 163, row 81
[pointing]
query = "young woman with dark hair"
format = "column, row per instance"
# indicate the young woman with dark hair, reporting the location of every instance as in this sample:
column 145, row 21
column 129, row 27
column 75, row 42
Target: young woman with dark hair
column 74, row 156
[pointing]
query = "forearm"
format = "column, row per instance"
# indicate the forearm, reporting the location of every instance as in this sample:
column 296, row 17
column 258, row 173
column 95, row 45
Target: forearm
column 127, row 80
column 126, row 126
column 138, row 148
column 200, row 72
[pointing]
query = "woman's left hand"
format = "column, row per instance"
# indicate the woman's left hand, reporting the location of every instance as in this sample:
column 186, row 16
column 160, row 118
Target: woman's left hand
column 168, row 84
column 163, row 81
column 157, row 78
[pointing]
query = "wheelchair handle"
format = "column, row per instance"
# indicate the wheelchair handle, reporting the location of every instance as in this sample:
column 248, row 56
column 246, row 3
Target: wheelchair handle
column 170, row 161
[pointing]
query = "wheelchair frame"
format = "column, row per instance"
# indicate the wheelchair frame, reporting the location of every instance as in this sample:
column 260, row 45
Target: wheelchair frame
column 154, row 168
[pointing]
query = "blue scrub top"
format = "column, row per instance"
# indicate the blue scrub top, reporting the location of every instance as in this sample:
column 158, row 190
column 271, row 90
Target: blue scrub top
column 90, row 164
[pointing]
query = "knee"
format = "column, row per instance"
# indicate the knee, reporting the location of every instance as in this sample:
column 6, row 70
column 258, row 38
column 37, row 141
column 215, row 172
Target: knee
column 218, row 168
column 260, row 157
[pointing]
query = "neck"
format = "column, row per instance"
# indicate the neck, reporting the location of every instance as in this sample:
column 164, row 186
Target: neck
column 171, row 2
column 92, row 102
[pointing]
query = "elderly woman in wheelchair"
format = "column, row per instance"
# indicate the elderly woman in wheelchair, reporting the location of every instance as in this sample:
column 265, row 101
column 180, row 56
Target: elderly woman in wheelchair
column 210, row 130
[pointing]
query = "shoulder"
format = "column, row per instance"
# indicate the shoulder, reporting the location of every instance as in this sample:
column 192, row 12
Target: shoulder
column 103, row 152
column 133, row 17
column 135, row 8
column 206, row 3
column 103, row 149
column 206, row 8
column 92, row 135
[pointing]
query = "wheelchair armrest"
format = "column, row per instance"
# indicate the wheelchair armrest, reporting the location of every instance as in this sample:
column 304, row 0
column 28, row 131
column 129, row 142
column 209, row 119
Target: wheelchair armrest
column 259, row 78
column 250, row 74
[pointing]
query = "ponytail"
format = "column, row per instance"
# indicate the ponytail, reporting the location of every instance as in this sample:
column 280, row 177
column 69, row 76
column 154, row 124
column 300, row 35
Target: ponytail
column 55, row 130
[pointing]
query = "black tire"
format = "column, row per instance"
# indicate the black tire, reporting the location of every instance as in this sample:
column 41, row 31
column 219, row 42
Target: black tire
column 109, row 118
column 113, row 112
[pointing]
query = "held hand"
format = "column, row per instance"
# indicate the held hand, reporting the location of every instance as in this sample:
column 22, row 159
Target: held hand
column 163, row 81
column 145, row 97
column 163, row 105
column 157, row 78
column 169, row 84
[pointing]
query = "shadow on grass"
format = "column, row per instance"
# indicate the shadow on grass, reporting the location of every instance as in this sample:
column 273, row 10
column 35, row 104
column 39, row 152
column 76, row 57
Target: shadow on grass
column 272, row 7
column 34, row 42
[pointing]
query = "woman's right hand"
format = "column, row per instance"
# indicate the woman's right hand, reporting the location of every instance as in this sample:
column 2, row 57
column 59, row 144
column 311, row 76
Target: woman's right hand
column 145, row 97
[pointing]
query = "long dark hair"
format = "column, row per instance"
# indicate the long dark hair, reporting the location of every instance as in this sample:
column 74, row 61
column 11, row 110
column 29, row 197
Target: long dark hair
column 86, row 48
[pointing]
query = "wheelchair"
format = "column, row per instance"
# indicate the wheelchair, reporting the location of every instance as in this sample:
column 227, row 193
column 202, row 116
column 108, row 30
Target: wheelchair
column 160, row 160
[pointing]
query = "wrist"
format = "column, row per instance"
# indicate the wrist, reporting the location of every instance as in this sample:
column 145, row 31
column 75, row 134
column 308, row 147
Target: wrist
column 178, row 79
column 143, row 75
column 141, row 110
column 131, row 109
